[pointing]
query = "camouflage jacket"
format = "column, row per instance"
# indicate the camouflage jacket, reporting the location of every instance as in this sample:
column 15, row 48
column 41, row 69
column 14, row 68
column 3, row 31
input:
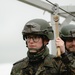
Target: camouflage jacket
column 50, row 66
column 67, row 64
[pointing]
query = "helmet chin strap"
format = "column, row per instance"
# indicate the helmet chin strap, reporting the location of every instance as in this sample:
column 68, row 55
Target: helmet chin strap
column 36, row 49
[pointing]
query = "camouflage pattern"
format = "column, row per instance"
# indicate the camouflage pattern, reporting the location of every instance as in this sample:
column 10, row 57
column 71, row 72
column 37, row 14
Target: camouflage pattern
column 66, row 64
column 49, row 66
column 46, row 68
column 67, row 31
column 39, row 27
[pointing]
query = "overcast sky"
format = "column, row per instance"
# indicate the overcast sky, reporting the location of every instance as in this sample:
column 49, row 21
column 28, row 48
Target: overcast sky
column 13, row 16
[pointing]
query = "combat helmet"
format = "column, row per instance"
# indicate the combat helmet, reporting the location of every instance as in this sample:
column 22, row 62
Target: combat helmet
column 67, row 31
column 38, row 26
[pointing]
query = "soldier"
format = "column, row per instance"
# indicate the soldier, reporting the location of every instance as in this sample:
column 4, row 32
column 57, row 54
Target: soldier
column 37, row 33
column 66, row 43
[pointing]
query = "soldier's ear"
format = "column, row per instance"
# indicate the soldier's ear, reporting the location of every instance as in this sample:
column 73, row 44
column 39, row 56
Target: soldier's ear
column 46, row 42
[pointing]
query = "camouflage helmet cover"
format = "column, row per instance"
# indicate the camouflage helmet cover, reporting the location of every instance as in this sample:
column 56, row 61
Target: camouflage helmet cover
column 67, row 31
column 38, row 26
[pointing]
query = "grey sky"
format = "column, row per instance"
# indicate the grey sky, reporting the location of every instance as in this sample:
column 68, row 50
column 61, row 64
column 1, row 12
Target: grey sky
column 13, row 16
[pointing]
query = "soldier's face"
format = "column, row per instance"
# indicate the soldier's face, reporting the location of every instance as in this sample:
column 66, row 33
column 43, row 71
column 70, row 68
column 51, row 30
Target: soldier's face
column 70, row 45
column 34, row 43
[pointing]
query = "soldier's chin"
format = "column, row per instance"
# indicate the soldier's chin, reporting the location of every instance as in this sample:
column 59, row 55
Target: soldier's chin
column 72, row 49
column 32, row 51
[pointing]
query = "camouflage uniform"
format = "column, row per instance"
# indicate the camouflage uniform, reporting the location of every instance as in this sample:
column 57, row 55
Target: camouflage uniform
column 66, row 64
column 46, row 65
